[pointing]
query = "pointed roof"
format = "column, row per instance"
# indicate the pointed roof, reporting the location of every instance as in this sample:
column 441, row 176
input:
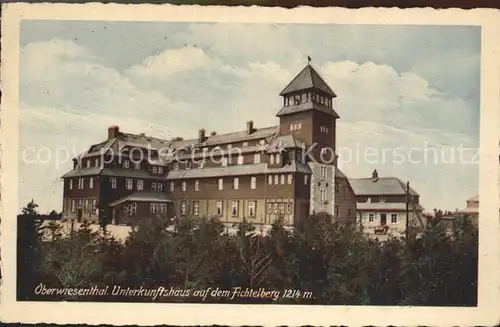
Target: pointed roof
column 308, row 78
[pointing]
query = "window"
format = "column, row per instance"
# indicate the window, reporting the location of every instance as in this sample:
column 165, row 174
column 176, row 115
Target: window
column 322, row 195
column 269, row 208
column 282, row 177
column 256, row 158
column 172, row 186
column 153, row 207
column 349, row 212
column 126, row 164
column 113, row 182
column 251, row 208
column 299, row 125
column 220, row 184
column 289, row 179
column 196, row 208
column 80, row 183
column 271, row 159
column 288, row 208
column 160, row 187
column 394, row 218
column 87, row 163
column 176, row 166
column 86, row 206
column 70, row 184
column 196, row 185
column 163, row 208
column 224, row 162
column 336, row 210
column 245, row 144
column 270, row 180
column 275, row 208
column 382, row 199
column 220, row 210
column 306, row 178
column 155, row 170
column 282, row 208
column 128, row 184
column 94, row 206
column 80, row 203
column 368, row 200
column 234, row 209
column 183, row 208
column 278, row 159
column 323, row 172
column 183, row 186
column 371, row 217
column 200, row 164
column 240, row 160
column 96, row 162
column 262, row 142
column 236, row 183
column 336, row 187
column 253, row 182
column 91, row 182
column 137, row 165
column 73, row 205
column 140, row 185
column 188, row 165
column 276, row 179
column 160, row 170
column 153, row 186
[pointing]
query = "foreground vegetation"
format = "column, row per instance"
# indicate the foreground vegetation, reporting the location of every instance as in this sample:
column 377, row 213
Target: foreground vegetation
column 337, row 264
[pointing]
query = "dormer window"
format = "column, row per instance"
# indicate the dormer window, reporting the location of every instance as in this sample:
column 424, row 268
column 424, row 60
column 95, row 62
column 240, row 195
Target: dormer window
column 160, row 170
column 155, row 170
column 176, row 166
column 126, row 164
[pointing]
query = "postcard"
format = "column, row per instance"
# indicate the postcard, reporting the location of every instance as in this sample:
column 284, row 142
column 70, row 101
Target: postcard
column 190, row 165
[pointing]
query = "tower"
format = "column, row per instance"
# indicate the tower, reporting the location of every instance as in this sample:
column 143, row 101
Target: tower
column 308, row 115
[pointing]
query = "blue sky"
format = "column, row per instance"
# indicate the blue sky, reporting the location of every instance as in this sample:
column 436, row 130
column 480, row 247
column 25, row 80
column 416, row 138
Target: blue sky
column 409, row 95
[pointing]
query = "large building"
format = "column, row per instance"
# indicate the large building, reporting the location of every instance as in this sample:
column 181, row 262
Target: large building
column 382, row 205
column 287, row 171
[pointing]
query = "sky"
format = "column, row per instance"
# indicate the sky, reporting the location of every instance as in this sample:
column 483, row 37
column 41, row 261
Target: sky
column 408, row 96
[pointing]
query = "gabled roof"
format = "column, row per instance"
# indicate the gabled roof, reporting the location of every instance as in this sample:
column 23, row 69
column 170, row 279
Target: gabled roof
column 308, row 78
column 382, row 186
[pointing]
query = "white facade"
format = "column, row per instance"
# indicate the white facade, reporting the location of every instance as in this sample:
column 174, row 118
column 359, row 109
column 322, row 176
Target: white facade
column 322, row 183
column 395, row 220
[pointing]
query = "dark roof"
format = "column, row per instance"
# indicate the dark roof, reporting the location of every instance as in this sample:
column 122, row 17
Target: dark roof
column 143, row 196
column 306, row 106
column 237, row 170
column 113, row 172
column 383, row 186
column 131, row 173
column 308, row 78
column 81, row 172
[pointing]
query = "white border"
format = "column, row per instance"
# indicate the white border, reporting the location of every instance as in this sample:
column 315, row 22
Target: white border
column 487, row 312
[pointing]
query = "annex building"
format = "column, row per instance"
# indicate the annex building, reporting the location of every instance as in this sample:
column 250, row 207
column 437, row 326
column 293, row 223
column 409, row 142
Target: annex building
column 285, row 171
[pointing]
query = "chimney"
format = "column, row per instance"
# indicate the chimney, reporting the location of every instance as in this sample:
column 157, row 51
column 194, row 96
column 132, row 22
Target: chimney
column 250, row 129
column 375, row 176
column 213, row 133
column 201, row 135
column 113, row 131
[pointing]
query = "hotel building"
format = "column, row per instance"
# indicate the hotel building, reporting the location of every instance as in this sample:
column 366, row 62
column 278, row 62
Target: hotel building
column 286, row 171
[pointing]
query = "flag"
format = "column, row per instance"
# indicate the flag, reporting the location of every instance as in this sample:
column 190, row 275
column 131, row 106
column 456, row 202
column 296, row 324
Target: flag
column 308, row 59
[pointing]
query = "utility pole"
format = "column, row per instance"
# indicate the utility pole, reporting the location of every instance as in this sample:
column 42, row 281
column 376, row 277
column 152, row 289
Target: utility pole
column 407, row 223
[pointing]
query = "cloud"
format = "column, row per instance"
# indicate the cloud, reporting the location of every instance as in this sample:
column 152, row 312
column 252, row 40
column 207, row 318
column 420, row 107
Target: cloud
column 71, row 94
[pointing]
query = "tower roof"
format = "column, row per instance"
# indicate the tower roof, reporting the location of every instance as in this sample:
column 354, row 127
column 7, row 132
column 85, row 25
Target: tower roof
column 308, row 78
